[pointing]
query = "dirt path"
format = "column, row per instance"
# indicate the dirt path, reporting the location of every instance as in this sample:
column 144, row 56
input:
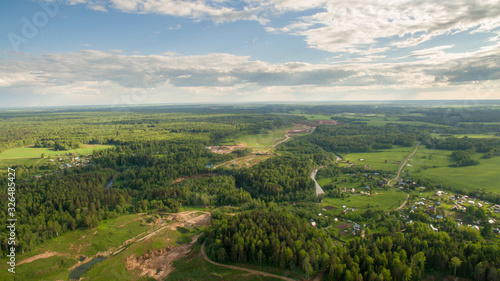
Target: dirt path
column 403, row 165
column 248, row 165
column 287, row 137
column 399, row 174
column 241, row 268
column 404, row 203
column 45, row 255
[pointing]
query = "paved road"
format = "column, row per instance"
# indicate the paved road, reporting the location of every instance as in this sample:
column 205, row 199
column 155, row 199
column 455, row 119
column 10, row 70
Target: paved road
column 241, row 268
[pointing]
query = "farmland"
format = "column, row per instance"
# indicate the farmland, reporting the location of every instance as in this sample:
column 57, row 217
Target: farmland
column 385, row 200
column 133, row 207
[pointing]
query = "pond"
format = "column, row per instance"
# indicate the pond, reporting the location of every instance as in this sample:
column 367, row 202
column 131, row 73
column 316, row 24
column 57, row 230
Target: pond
column 80, row 270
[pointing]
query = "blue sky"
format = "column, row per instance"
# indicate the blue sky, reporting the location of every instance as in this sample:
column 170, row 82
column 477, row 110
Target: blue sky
column 71, row 52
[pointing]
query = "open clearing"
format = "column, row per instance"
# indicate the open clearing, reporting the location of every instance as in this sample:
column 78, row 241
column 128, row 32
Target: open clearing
column 483, row 176
column 386, row 200
column 377, row 159
column 115, row 239
column 30, row 155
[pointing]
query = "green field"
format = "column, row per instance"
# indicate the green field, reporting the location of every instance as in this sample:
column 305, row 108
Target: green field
column 386, row 200
column 485, row 175
column 479, row 136
column 36, row 152
column 32, row 155
column 73, row 244
column 376, row 160
column 266, row 138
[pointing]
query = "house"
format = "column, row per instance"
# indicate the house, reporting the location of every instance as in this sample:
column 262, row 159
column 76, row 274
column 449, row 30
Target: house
column 439, row 217
column 496, row 230
column 471, row 202
column 313, row 223
column 356, row 227
column 496, row 208
column 376, row 174
column 438, row 203
column 433, row 228
column 37, row 177
column 479, row 205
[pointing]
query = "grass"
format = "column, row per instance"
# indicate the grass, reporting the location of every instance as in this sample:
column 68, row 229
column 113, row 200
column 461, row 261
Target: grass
column 478, row 136
column 264, row 138
column 114, row 268
column 73, row 244
column 53, row 268
column 386, row 200
column 36, row 152
column 483, row 176
column 376, row 160
column 199, row 269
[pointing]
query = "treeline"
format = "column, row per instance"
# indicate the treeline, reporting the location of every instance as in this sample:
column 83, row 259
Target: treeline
column 482, row 145
column 53, row 205
column 278, row 179
column 463, row 158
column 210, row 191
column 276, row 238
column 126, row 126
column 349, row 138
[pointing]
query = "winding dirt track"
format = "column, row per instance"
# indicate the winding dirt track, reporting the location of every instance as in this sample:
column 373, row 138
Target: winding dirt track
column 399, row 174
column 403, row 165
column 241, row 268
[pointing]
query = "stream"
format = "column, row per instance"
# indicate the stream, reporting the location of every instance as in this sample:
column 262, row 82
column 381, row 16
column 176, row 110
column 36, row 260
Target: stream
column 80, row 270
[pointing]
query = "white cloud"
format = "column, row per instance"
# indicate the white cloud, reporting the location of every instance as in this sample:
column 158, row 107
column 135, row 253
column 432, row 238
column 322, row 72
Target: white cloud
column 348, row 26
column 102, row 75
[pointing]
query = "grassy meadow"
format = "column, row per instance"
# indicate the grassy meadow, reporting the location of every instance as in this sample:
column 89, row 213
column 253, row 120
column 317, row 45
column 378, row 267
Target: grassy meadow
column 386, row 200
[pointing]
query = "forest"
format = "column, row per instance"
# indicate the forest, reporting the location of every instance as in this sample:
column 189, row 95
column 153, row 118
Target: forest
column 267, row 213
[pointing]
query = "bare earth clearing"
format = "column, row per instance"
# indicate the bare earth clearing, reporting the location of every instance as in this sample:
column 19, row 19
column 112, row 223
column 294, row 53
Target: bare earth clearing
column 158, row 264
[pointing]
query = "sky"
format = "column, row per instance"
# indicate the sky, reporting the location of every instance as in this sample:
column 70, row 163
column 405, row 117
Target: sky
column 110, row 52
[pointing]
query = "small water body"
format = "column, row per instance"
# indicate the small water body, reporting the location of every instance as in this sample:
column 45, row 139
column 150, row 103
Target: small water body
column 79, row 271
column 109, row 183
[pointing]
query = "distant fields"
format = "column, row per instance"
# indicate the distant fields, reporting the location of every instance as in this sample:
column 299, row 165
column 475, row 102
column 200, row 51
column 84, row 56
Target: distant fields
column 35, row 152
column 376, row 160
column 430, row 163
column 265, row 138
column 29, row 155
column 73, row 244
column 483, row 176
column 481, row 136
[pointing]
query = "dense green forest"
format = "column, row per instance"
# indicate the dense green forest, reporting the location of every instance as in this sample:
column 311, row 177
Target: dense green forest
column 158, row 161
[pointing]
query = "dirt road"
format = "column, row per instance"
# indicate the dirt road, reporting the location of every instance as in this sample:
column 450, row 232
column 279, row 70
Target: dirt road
column 241, row 268
column 403, row 165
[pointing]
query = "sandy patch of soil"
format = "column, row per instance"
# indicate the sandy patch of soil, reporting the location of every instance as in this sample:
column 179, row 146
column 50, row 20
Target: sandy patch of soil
column 158, row 264
column 45, row 255
column 224, row 149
